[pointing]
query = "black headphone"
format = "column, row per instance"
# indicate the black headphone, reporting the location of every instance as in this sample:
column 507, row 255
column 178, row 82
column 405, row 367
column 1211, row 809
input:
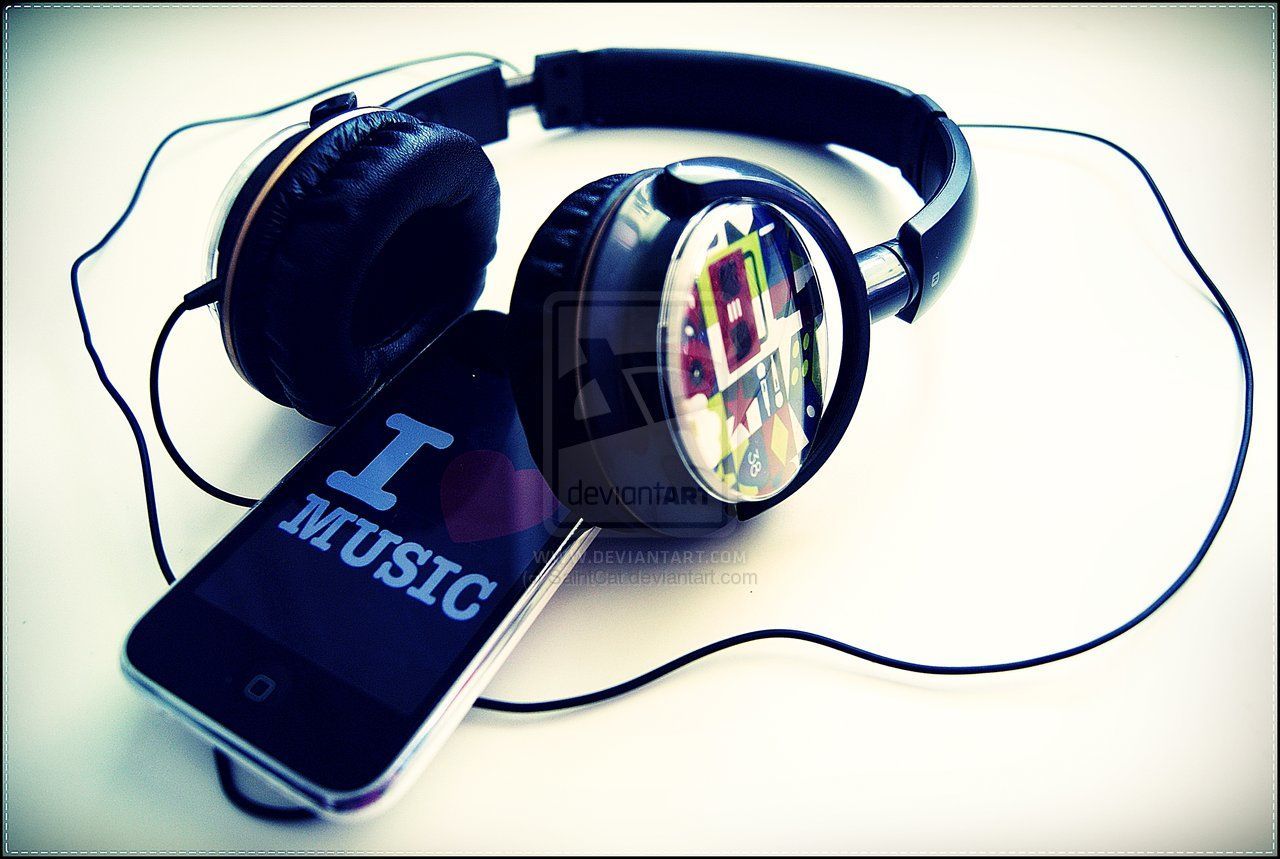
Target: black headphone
column 356, row 239
column 343, row 247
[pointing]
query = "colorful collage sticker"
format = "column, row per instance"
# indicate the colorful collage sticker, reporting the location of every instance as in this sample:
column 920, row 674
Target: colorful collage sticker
column 748, row 394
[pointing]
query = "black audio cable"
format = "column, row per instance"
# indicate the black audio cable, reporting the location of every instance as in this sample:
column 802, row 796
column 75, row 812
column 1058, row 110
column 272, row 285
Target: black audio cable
column 204, row 295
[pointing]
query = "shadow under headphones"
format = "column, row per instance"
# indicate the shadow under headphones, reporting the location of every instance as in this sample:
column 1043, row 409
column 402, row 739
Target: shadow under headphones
column 345, row 245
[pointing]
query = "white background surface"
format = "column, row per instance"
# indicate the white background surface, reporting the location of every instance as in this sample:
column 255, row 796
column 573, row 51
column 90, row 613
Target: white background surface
column 1030, row 465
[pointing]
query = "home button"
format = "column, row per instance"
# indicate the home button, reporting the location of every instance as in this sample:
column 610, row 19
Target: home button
column 259, row 688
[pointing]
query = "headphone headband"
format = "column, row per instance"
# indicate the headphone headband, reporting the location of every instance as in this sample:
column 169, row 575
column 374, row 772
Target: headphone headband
column 624, row 87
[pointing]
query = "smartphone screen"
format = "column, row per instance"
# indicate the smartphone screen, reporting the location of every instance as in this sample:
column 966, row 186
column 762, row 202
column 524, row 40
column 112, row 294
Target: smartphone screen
column 326, row 628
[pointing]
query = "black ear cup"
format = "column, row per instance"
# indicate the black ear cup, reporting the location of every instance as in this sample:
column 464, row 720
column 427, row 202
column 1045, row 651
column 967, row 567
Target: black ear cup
column 558, row 249
column 550, row 274
column 370, row 243
column 582, row 360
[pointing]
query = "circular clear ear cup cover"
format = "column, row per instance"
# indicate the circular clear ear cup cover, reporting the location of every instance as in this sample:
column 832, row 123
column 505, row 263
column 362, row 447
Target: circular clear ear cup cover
column 742, row 350
column 370, row 243
column 671, row 369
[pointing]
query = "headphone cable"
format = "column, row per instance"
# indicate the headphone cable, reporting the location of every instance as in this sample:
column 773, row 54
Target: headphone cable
column 198, row 298
column 162, row 429
column 842, row 647
column 1246, row 364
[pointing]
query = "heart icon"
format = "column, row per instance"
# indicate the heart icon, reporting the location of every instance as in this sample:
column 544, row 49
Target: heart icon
column 483, row 497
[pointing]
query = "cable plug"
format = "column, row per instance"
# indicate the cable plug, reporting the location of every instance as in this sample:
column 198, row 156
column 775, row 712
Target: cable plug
column 203, row 295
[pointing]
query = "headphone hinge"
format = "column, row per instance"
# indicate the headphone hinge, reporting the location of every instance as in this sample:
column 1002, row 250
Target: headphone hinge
column 559, row 89
column 521, row 92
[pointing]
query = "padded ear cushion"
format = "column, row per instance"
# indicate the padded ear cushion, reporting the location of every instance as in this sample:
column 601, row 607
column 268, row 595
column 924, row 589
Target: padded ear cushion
column 559, row 248
column 371, row 243
column 553, row 265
